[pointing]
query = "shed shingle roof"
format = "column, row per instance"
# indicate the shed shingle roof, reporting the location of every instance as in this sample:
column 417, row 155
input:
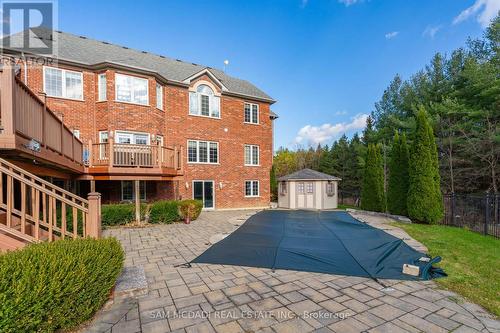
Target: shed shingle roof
column 308, row 174
column 89, row 52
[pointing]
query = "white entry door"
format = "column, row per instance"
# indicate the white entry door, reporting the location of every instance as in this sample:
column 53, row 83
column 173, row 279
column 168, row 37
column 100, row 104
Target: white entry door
column 305, row 194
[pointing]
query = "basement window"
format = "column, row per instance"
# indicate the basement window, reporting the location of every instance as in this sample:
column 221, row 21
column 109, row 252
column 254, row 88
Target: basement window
column 127, row 187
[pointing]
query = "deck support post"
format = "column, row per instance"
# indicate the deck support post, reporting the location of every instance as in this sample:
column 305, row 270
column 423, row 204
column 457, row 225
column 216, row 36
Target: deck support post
column 93, row 228
column 137, row 193
column 92, row 186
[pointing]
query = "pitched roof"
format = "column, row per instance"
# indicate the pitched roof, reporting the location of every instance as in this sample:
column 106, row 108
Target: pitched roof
column 90, row 52
column 308, row 174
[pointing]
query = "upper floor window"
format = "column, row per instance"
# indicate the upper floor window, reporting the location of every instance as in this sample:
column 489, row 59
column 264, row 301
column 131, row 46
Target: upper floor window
column 131, row 89
column 159, row 96
column 251, row 113
column 63, row 83
column 251, row 155
column 204, row 103
column 101, row 87
column 203, row 152
column 134, row 138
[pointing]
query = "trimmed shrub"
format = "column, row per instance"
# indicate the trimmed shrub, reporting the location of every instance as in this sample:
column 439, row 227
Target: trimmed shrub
column 164, row 211
column 372, row 191
column 190, row 208
column 425, row 202
column 57, row 286
column 119, row 214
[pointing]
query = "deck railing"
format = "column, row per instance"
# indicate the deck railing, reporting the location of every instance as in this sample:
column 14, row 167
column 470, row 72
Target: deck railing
column 23, row 113
column 133, row 155
column 36, row 210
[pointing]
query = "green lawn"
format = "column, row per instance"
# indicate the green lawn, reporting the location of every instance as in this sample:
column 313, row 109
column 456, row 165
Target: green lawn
column 471, row 260
column 340, row 206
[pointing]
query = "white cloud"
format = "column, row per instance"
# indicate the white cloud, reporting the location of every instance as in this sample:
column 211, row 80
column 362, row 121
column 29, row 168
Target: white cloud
column 313, row 135
column 484, row 11
column 391, row 35
column 431, row 31
column 347, row 3
column 341, row 113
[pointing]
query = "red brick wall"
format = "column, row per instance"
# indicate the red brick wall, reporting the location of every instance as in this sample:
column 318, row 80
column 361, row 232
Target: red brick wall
column 177, row 126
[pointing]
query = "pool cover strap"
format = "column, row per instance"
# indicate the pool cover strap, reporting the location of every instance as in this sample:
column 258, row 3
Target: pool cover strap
column 324, row 242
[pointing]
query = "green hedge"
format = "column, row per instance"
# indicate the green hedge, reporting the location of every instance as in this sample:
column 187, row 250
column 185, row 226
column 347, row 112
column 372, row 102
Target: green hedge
column 118, row 214
column 164, row 212
column 59, row 285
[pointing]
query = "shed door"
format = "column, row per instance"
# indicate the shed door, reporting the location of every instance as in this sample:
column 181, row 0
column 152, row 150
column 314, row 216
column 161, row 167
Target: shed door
column 305, row 194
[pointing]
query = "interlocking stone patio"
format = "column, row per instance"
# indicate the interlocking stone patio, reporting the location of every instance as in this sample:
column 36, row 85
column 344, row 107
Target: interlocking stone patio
column 225, row 299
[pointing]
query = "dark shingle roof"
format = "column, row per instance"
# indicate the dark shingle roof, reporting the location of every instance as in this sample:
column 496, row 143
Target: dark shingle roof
column 88, row 51
column 308, row 174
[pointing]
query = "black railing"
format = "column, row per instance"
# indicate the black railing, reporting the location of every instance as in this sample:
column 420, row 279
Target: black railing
column 479, row 213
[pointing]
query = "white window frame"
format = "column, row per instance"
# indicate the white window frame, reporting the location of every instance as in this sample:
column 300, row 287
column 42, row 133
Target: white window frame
column 252, row 162
column 252, row 120
column 309, row 187
column 132, row 136
column 330, row 189
column 253, row 194
column 301, row 188
column 159, row 96
column 142, row 183
column 76, row 133
column 210, row 102
column 132, row 90
column 198, row 152
column 102, row 94
column 103, row 135
column 63, row 83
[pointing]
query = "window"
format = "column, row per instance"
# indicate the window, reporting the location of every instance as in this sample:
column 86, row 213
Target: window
column 159, row 96
column 76, row 133
column 283, row 188
column 330, row 189
column 204, row 103
column 131, row 89
column 252, row 188
column 251, row 113
column 128, row 190
column 251, row 155
column 310, row 187
column 63, row 83
column 203, row 152
column 101, row 87
column 132, row 138
column 300, row 188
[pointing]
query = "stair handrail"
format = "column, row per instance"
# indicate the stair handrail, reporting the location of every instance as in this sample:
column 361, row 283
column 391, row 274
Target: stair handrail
column 51, row 187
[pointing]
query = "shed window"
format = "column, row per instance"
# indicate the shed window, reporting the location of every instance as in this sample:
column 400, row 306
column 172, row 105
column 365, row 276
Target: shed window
column 330, row 189
column 310, row 187
column 300, row 188
column 283, row 188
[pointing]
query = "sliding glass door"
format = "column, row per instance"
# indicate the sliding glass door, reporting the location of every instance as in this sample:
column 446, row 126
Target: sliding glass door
column 204, row 190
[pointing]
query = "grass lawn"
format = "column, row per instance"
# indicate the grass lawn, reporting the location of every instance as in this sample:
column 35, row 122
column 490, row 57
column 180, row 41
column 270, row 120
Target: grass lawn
column 340, row 206
column 471, row 260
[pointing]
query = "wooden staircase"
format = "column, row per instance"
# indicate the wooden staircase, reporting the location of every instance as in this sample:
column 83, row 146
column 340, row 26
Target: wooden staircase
column 33, row 210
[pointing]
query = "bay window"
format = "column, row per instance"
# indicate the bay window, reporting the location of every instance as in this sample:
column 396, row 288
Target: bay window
column 101, row 87
column 159, row 96
column 63, row 83
column 131, row 89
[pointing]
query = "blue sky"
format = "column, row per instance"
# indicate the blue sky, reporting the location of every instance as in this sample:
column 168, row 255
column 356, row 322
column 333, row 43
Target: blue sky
column 326, row 62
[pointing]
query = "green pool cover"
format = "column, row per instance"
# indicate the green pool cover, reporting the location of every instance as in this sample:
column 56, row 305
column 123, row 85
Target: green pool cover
column 325, row 242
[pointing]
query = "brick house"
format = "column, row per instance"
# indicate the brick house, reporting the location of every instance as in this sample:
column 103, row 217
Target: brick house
column 178, row 130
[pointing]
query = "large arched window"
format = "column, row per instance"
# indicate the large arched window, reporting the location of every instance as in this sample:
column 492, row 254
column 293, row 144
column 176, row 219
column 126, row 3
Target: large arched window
column 203, row 102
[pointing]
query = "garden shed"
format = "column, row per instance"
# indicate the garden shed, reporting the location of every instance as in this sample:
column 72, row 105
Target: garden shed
column 308, row 189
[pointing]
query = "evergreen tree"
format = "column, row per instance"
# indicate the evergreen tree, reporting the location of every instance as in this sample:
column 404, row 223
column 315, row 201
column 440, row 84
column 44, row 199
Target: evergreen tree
column 397, row 190
column 425, row 202
column 372, row 191
column 274, row 185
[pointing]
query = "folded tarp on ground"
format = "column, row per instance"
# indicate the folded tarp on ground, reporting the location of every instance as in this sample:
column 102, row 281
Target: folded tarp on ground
column 314, row 241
